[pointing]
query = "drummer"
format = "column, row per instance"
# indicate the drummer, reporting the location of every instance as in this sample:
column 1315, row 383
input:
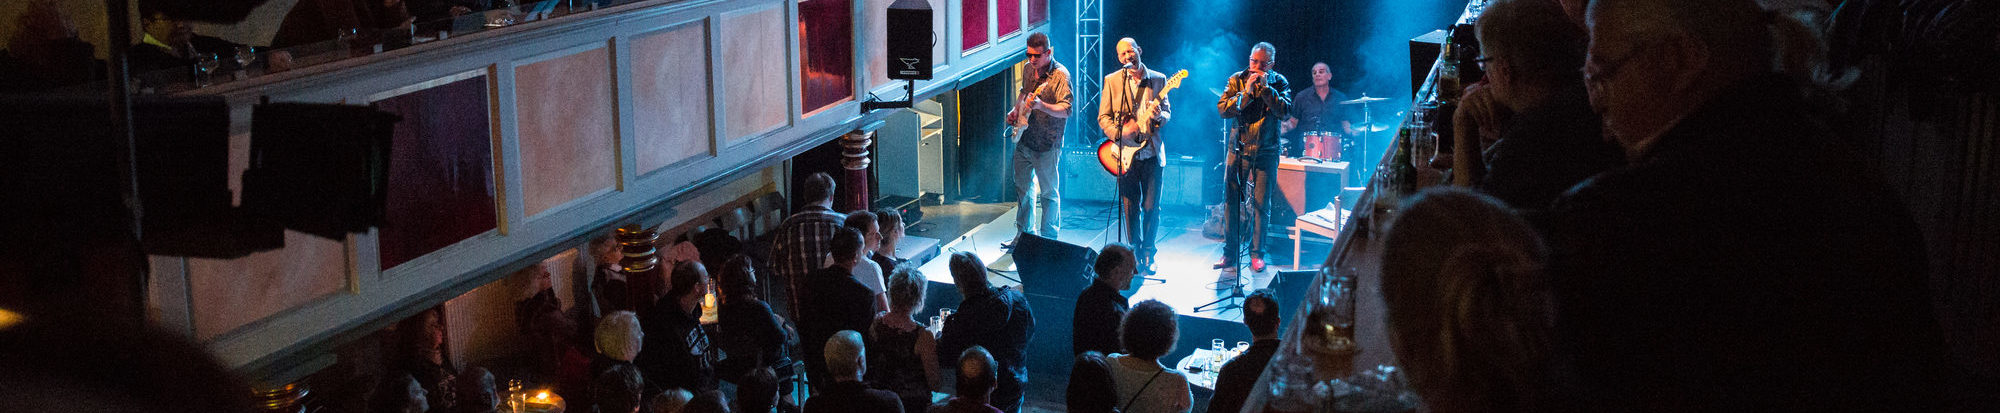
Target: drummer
column 1316, row 109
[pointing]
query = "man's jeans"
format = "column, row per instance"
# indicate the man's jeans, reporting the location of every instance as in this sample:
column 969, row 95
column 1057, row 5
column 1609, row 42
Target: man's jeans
column 1042, row 167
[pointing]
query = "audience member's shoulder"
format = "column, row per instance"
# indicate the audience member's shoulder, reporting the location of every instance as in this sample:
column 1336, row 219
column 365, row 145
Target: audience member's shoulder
column 883, row 401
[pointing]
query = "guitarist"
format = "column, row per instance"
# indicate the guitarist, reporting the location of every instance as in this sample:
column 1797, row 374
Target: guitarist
column 1258, row 99
column 1131, row 114
column 1040, row 113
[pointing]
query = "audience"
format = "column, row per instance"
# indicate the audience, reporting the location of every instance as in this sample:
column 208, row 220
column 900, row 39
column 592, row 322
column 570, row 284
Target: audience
column 611, row 288
column 424, row 357
column 746, row 329
column 799, row 245
column 618, row 389
column 1553, row 140
column 46, row 53
column 1233, row 384
column 846, row 362
column 1145, row 385
column 707, row 402
column 677, row 352
column 1091, row 388
column 1101, row 306
column 997, row 319
column 476, row 391
column 905, row 356
column 757, row 392
column 978, row 376
column 1746, row 259
column 671, row 401
column 619, row 339
column 399, row 394
column 837, row 302
column 867, row 271
column 891, row 222
column 1467, row 304
column 168, row 44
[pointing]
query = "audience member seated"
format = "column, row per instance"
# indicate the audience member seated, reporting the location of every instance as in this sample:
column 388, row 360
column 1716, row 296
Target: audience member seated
column 904, row 359
column 1476, row 126
column 477, row 392
column 1101, row 306
column 978, row 375
column 1144, row 385
column 677, row 354
column 671, row 401
column 997, row 319
column 46, row 52
column 610, row 286
column 618, row 389
column 400, row 393
column 846, row 362
column 867, row 271
column 1234, row 383
column 1746, row 258
column 619, row 339
column 422, row 338
column 707, row 402
column 746, row 329
column 169, row 45
column 1553, row 140
column 800, row 244
column 836, row 302
column 1467, row 304
column 1091, row 388
column 891, row 223
column 757, row 392
column 549, row 333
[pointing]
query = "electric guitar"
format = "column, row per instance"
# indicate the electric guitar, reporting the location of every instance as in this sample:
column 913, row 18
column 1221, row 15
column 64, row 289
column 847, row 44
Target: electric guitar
column 1117, row 156
column 1023, row 105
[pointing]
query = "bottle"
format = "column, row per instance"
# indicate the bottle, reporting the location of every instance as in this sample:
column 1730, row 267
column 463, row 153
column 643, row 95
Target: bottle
column 1447, row 87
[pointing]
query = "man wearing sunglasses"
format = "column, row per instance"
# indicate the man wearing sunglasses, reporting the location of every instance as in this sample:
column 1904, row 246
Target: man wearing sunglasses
column 1045, row 90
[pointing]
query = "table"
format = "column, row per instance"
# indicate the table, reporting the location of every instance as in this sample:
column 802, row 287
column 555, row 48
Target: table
column 1201, row 378
column 1301, row 181
column 1324, row 222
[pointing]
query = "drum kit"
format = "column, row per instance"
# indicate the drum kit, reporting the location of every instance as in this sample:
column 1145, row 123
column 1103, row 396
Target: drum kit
column 1329, row 145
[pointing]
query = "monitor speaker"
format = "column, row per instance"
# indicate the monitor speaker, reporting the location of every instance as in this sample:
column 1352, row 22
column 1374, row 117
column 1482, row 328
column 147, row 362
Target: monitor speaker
column 910, row 39
column 1052, row 268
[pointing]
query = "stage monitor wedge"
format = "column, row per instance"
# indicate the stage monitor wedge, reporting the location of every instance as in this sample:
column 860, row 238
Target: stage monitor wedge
column 1053, row 268
column 910, row 39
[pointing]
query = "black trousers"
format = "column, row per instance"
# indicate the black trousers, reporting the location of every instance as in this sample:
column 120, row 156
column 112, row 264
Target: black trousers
column 1139, row 206
column 1247, row 176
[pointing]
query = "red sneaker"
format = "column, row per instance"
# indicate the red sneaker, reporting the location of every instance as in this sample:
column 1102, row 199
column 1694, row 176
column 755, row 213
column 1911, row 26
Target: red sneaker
column 1257, row 264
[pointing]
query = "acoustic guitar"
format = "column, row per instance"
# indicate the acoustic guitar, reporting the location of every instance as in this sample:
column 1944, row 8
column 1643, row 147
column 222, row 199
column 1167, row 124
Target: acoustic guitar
column 1116, row 156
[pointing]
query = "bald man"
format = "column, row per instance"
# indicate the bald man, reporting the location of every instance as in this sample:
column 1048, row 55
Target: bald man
column 1127, row 91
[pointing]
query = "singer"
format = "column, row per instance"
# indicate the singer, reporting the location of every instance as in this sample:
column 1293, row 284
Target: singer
column 1131, row 97
column 1257, row 100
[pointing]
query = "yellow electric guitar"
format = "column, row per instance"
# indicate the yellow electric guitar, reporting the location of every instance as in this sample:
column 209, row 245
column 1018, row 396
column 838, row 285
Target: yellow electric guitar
column 1117, row 157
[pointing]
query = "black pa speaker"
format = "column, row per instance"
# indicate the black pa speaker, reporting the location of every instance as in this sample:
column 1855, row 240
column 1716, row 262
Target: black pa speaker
column 1052, row 268
column 910, row 39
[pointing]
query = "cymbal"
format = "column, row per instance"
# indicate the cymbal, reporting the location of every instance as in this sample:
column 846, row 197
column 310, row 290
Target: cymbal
column 1363, row 99
column 1376, row 128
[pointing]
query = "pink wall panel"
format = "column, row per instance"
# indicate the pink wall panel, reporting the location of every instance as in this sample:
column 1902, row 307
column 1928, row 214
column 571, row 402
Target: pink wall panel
column 972, row 23
column 874, row 41
column 1008, row 14
column 670, row 96
column 826, row 52
column 568, row 127
column 228, row 294
column 755, row 84
column 1038, row 12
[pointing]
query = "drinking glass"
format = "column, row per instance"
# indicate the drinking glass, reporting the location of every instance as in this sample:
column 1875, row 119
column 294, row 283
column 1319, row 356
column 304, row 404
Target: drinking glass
column 204, row 67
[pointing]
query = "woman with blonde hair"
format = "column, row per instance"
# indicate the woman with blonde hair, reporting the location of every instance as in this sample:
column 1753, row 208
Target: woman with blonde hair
column 1468, row 306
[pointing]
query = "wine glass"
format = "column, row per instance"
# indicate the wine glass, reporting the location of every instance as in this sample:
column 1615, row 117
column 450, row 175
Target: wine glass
column 245, row 55
column 204, row 66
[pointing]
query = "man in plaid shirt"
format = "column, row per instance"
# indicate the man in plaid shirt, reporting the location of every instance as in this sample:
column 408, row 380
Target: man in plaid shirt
column 801, row 242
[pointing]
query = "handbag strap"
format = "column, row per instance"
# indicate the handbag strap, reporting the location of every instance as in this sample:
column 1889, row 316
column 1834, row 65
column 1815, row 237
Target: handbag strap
column 1142, row 390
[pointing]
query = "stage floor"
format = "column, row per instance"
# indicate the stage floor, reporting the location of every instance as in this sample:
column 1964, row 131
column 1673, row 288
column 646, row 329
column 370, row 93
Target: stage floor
column 1185, row 279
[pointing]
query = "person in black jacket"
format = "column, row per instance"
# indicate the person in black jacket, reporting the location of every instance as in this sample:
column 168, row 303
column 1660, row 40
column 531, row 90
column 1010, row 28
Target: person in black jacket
column 1101, row 306
column 1232, row 385
column 1553, row 139
column 169, row 48
column 677, row 353
column 746, row 329
column 1746, row 258
column 846, row 362
column 833, row 301
column 995, row 318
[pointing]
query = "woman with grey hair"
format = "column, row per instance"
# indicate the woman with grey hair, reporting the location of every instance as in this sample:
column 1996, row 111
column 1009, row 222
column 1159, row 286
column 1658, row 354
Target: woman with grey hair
column 904, row 356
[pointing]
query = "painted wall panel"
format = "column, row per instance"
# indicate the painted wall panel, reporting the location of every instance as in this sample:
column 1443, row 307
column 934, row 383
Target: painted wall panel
column 755, row 84
column 441, row 185
column 670, row 94
column 228, row 294
column 568, row 128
